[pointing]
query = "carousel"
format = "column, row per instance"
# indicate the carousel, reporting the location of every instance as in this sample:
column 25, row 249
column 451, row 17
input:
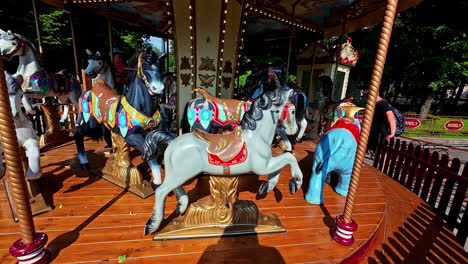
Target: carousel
column 222, row 193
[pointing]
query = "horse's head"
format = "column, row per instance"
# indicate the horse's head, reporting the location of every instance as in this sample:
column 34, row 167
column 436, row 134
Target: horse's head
column 11, row 44
column 95, row 63
column 287, row 117
column 149, row 67
column 266, row 79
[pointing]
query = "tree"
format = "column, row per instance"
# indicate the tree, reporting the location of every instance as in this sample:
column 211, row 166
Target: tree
column 427, row 55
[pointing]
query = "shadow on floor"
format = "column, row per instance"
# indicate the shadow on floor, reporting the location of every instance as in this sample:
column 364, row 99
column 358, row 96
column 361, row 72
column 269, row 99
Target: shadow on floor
column 421, row 238
column 65, row 240
column 221, row 253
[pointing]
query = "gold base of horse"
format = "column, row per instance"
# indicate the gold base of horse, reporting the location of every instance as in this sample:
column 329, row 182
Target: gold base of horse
column 120, row 171
column 36, row 200
column 54, row 135
column 222, row 214
column 53, row 139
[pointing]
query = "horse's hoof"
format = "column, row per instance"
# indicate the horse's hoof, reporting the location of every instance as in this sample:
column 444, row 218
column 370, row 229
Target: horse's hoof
column 148, row 229
column 85, row 166
column 292, row 186
column 263, row 188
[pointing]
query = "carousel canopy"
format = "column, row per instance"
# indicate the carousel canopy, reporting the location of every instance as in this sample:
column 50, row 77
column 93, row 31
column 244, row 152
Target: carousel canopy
column 267, row 17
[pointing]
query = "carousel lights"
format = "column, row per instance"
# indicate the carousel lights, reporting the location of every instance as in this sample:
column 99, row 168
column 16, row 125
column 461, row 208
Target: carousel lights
column 192, row 45
column 279, row 18
column 92, row 1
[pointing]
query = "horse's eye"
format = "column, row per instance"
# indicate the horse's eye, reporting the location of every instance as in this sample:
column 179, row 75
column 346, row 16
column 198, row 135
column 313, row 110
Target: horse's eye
column 14, row 43
column 293, row 112
column 100, row 63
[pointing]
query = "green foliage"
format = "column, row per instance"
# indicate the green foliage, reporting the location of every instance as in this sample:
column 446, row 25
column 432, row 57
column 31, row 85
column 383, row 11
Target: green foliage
column 428, row 52
column 172, row 61
column 121, row 259
column 133, row 40
column 242, row 79
column 55, row 27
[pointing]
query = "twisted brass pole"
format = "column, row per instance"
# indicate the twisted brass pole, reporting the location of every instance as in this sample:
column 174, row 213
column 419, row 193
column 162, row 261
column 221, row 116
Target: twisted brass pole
column 390, row 11
column 13, row 163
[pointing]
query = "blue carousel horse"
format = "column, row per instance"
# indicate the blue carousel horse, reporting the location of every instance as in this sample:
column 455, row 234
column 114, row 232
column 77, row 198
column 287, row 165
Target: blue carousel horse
column 131, row 114
column 335, row 152
column 237, row 153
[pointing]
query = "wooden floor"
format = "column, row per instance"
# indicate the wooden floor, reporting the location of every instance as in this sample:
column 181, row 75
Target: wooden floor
column 414, row 233
column 95, row 221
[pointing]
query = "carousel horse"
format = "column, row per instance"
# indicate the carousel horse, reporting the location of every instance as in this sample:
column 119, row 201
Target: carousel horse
column 335, row 152
column 131, row 114
column 244, row 150
column 212, row 112
column 25, row 132
column 269, row 79
column 37, row 83
column 98, row 67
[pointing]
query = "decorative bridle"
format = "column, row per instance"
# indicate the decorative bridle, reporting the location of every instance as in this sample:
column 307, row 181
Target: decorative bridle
column 21, row 43
column 141, row 74
column 95, row 57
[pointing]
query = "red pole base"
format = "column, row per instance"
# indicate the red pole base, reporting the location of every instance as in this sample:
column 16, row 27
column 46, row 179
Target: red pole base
column 343, row 232
column 32, row 253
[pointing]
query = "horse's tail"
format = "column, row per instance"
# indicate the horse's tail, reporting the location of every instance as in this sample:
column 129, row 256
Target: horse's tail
column 184, row 122
column 155, row 143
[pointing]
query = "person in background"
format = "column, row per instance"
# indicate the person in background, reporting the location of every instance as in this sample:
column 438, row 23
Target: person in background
column 120, row 72
column 383, row 123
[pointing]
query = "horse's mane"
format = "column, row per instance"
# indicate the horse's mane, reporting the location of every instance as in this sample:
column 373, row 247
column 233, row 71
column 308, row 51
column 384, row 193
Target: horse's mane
column 32, row 47
column 12, row 84
column 132, row 63
column 263, row 102
column 260, row 77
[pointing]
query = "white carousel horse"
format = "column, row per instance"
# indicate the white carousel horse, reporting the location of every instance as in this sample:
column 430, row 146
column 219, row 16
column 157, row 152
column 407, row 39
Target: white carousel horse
column 98, row 67
column 247, row 149
column 37, row 83
column 27, row 137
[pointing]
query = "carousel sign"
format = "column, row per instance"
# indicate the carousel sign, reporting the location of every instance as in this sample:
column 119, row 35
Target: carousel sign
column 454, row 125
column 412, row 123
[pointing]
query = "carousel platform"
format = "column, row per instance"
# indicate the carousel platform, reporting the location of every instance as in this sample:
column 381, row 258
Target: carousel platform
column 96, row 221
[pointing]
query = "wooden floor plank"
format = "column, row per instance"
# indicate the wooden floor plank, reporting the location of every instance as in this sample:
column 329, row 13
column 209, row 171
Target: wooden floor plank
column 96, row 221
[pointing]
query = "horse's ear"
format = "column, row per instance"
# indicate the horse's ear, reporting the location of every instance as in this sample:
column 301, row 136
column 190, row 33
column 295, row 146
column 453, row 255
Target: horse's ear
column 9, row 32
column 161, row 60
column 162, row 56
column 148, row 50
column 98, row 54
column 89, row 52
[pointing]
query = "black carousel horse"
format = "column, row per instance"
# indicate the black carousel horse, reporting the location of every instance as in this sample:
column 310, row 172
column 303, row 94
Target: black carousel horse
column 131, row 115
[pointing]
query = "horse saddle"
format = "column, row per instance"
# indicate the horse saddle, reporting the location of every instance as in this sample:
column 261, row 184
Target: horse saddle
column 225, row 146
column 104, row 101
column 232, row 108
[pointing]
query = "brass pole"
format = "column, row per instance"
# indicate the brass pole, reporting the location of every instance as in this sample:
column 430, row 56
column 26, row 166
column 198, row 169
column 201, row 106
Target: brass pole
column 338, row 52
column 13, row 163
column 75, row 53
column 312, row 74
column 109, row 29
column 38, row 25
column 293, row 15
column 377, row 71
